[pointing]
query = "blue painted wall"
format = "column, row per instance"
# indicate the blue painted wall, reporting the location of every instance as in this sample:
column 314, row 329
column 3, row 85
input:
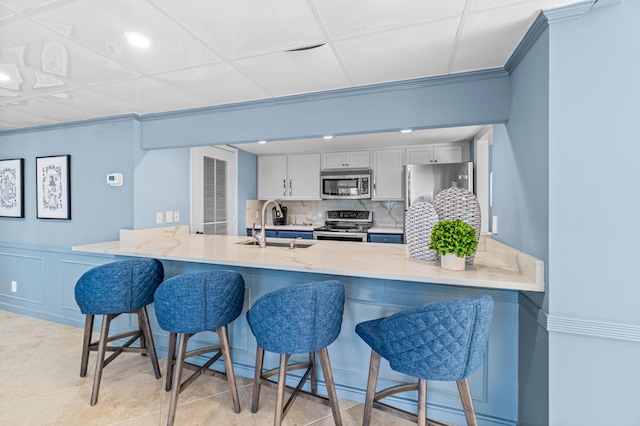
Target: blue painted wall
column 520, row 182
column 594, row 292
column 98, row 211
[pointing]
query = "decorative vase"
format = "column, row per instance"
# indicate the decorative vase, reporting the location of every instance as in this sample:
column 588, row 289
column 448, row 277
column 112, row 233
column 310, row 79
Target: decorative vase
column 420, row 219
column 454, row 203
column 452, row 262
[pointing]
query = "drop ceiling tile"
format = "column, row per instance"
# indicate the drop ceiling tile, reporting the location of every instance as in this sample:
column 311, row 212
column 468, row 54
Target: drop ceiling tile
column 47, row 110
column 533, row 4
column 89, row 101
column 288, row 73
column 501, row 28
column 345, row 18
column 53, row 56
column 214, row 84
column 248, row 27
column 26, row 5
column 12, row 119
column 405, row 53
column 101, row 25
column 144, row 95
column 5, row 13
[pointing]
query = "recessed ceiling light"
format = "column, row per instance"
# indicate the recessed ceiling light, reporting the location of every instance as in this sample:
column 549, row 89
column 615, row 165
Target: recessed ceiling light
column 137, row 40
column 4, row 77
column 262, row 142
column 327, row 137
column 406, row 130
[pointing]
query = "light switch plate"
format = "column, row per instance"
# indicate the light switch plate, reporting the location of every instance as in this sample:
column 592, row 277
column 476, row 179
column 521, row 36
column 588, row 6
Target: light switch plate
column 159, row 217
column 168, row 216
column 176, row 215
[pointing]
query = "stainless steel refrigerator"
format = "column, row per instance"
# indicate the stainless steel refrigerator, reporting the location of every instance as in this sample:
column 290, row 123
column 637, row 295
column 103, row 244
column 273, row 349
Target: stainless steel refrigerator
column 424, row 181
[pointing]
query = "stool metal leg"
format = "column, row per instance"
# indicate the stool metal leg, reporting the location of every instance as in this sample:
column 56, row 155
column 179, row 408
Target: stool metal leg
column 331, row 389
column 282, row 382
column 374, row 366
column 146, row 340
column 223, row 336
column 257, row 375
column 467, row 402
column 177, row 378
column 422, row 402
column 86, row 342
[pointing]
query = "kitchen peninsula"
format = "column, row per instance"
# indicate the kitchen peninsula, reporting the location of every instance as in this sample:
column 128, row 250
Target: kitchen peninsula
column 379, row 279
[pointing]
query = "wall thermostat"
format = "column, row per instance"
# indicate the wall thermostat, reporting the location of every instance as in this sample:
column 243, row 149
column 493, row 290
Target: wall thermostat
column 114, row 179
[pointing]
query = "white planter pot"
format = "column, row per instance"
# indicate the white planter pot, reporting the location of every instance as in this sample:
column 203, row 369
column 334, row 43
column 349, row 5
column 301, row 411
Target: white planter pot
column 451, row 262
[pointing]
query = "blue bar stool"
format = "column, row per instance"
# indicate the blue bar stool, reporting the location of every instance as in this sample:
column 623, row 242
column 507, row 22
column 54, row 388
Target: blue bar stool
column 193, row 303
column 124, row 287
column 443, row 341
column 305, row 318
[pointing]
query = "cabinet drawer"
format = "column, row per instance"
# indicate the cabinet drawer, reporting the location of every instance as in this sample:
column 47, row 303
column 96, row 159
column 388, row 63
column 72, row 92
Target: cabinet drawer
column 386, row 238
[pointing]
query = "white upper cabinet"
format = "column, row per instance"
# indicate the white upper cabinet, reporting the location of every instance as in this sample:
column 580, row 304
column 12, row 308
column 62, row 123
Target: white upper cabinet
column 434, row 154
column 304, row 177
column 289, row 177
column 388, row 174
column 345, row 160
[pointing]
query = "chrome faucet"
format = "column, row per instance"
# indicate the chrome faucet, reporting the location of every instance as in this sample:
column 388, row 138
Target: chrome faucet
column 261, row 237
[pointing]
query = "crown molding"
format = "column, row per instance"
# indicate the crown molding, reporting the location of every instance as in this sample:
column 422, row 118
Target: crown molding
column 542, row 22
column 79, row 123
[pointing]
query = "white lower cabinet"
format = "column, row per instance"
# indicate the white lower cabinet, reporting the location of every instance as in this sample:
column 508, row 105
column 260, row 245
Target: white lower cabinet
column 388, row 174
column 289, row 177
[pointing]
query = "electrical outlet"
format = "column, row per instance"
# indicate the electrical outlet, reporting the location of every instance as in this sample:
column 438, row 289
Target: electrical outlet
column 159, row 217
column 494, row 225
column 14, row 286
column 168, row 217
column 176, row 216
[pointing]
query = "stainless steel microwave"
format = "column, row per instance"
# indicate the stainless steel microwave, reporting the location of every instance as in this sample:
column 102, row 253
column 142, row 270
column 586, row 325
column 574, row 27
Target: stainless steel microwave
column 345, row 184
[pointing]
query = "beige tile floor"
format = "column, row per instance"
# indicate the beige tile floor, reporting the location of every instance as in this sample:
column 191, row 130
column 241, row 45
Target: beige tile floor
column 41, row 385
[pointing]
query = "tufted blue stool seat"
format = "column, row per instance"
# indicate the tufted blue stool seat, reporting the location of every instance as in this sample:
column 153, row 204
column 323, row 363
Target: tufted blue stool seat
column 443, row 341
column 193, row 303
column 111, row 290
column 305, row 318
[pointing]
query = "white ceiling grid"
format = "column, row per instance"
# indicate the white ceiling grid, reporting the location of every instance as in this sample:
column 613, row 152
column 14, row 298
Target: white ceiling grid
column 68, row 60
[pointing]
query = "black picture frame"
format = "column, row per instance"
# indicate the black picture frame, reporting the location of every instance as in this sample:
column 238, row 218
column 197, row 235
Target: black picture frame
column 53, row 187
column 12, row 188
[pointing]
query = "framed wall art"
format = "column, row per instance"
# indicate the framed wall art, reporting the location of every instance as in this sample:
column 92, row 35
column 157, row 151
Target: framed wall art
column 53, row 181
column 12, row 188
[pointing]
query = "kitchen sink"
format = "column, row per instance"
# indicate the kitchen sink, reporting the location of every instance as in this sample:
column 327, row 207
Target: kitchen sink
column 299, row 243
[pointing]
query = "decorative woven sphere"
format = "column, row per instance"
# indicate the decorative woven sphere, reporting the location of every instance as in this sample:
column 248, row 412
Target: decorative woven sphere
column 454, row 203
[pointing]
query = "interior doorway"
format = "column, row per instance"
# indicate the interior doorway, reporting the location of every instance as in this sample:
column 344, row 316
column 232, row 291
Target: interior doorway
column 214, row 185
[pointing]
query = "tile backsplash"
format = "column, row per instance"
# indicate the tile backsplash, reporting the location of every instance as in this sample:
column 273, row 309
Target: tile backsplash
column 385, row 213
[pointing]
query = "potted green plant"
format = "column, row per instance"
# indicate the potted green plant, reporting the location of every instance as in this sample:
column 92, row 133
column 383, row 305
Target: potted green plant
column 453, row 240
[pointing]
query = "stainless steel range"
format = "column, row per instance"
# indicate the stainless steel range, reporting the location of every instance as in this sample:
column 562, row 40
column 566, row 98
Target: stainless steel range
column 345, row 225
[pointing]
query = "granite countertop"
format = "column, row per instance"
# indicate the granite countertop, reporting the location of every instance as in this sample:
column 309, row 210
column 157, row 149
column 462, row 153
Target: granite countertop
column 496, row 265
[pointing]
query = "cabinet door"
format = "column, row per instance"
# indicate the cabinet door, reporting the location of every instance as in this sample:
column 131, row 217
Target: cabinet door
column 272, row 176
column 357, row 159
column 447, row 154
column 388, row 174
column 419, row 155
column 345, row 160
column 304, row 177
